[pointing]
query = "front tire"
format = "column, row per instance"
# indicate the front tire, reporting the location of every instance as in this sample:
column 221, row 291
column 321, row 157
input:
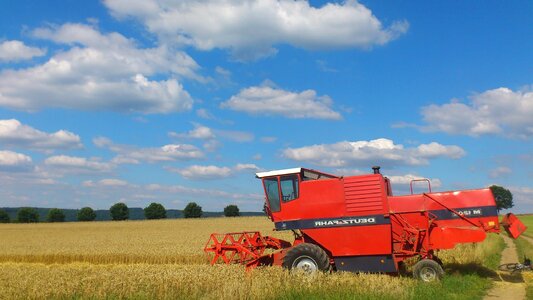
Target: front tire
column 428, row 270
column 306, row 257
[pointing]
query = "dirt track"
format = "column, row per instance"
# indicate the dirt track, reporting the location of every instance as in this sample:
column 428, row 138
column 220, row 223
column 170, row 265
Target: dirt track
column 507, row 287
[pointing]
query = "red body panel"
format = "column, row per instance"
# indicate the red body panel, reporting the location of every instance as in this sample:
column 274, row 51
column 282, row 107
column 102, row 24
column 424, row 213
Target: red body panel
column 310, row 203
column 347, row 241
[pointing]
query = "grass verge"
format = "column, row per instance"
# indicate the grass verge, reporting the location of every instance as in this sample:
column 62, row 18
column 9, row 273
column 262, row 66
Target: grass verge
column 525, row 249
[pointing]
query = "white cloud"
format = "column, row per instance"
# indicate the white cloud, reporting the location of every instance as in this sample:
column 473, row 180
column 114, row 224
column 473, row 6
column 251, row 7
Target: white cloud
column 498, row 111
column 235, row 135
column 196, row 172
column 266, row 100
column 348, row 172
column 204, row 172
column 408, row 178
column 100, row 72
column 78, row 165
column 500, row 172
column 204, row 114
column 365, row 153
column 401, row 184
column 222, row 71
column 132, row 154
column 246, row 167
column 209, row 135
column 16, row 51
column 15, row 134
column 13, row 161
column 109, row 182
column 101, row 194
column 251, row 29
column 199, row 132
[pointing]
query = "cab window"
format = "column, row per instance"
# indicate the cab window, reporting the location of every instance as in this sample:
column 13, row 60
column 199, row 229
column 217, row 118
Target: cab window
column 289, row 187
column 272, row 192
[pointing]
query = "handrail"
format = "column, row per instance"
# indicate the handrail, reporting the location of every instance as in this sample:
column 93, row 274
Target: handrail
column 424, row 179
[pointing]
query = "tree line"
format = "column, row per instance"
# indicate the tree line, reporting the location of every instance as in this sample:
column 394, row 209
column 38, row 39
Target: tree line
column 118, row 212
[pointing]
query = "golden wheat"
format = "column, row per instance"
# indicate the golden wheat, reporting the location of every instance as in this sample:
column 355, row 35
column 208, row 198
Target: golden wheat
column 155, row 242
column 164, row 260
column 183, row 281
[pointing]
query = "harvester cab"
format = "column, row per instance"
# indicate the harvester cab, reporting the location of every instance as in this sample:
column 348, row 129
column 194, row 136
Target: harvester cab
column 354, row 223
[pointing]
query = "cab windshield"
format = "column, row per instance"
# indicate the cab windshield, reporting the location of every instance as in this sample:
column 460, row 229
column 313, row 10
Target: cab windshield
column 272, row 193
column 289, row 187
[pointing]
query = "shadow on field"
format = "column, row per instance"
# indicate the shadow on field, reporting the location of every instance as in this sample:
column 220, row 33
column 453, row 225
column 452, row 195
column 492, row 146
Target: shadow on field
column 470, row 269
column 481, row 271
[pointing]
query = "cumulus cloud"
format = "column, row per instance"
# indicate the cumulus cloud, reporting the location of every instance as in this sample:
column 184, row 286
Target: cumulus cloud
column 252, row 29
column 78, row 165
column 198, row 132
column 100, row 72
column 108, row 182
column 500, row 172
column 499, row 111
column 197, row 172
column 204, row 114
column 266, row 100
column 17, row 135
column 133, row 155
column 16, row 51
column 12, row 161
column 365, row 153
column 210, row 135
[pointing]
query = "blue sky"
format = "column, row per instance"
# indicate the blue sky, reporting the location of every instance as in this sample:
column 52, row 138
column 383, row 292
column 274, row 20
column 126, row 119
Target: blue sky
column 179, row 101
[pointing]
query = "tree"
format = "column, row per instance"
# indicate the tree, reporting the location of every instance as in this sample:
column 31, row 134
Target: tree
column 27, row 215
column 503, row 197
column 192, row 210
column 86, row 214
column 231, row 211
column 155, row 211
column 4, row 217
column 55, row 215
column 119, row 211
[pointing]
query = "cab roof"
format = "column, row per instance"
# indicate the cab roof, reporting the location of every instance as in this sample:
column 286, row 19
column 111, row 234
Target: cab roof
column 318, row 174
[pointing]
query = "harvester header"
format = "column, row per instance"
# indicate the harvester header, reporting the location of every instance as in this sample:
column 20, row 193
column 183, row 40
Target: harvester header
column 355, row 223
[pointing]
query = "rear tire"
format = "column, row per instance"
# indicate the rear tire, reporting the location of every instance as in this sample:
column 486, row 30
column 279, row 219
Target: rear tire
column 428, row 270
column 306, row 257
column 508, row 267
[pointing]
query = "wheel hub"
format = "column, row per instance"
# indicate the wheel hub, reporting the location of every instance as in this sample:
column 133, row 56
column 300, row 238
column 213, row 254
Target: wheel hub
column 306, row 264
column 428, row 274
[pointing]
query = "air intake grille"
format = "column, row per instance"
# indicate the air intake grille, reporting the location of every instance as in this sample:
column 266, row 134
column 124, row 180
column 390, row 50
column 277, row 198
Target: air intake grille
column 363, row 194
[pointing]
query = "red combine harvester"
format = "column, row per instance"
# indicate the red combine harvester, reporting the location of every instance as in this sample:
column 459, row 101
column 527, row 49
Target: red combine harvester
column 355, row 224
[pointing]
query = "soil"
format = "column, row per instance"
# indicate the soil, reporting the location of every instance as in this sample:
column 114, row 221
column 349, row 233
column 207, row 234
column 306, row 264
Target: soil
column 507, row 286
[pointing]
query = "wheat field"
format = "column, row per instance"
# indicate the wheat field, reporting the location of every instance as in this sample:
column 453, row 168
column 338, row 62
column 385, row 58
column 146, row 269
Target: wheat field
column 163, row 259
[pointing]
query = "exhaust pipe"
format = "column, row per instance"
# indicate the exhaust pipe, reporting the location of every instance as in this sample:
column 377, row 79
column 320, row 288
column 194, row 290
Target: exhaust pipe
column 376, row 169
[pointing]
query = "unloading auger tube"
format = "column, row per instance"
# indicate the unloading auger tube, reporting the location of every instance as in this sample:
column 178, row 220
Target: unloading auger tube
column 354, row 223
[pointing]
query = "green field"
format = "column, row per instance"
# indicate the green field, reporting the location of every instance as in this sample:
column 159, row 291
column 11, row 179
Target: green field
column 525, row 249
column 528, row 221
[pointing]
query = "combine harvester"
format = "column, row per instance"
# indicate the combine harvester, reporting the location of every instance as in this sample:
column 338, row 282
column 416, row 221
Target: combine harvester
column 355, row 224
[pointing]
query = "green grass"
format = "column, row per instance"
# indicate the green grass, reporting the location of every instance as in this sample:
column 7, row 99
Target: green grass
column 528, row 221
column 463, row 286
column 525, row 249
column 465, row 281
